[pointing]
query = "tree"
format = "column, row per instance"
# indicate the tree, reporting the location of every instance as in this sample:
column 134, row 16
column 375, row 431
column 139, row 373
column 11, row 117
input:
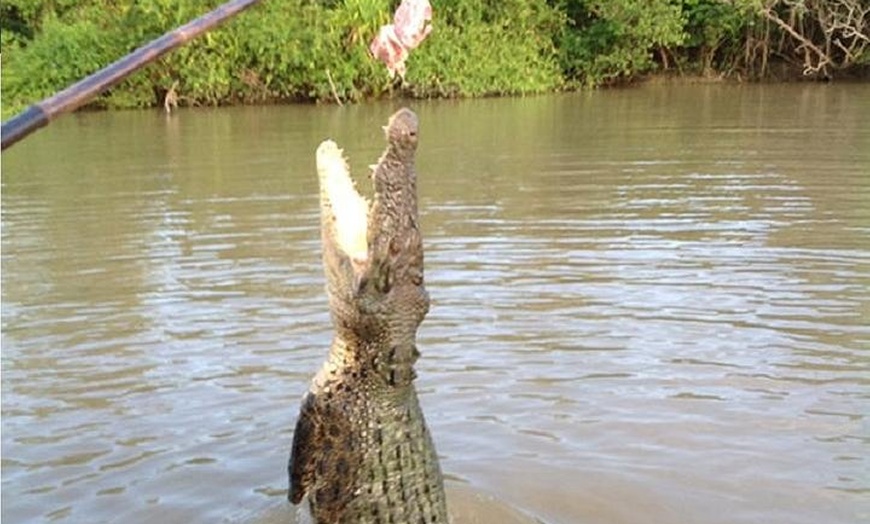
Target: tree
column 825, row 35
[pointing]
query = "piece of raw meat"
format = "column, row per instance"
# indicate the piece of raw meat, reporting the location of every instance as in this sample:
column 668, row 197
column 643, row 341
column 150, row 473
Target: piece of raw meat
column 411, row 25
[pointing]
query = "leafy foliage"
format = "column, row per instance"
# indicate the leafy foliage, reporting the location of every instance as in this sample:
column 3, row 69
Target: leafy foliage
column 609, row 40
column 280, row 51
column 480, row 51
column 317, row 50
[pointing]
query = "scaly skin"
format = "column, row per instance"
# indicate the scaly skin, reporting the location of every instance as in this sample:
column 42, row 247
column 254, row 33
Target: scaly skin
column 361, row 449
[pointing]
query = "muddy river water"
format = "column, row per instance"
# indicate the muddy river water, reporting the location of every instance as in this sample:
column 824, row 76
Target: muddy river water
column 648, row 305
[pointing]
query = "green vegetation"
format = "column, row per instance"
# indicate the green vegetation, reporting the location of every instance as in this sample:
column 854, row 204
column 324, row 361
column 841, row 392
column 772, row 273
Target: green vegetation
column 304, row 50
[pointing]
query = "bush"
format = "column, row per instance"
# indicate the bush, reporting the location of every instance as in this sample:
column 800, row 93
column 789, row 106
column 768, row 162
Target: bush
column 473, row 51
column 61, row 55
column 610, row 40
column 309, row 50
column 281, row 51
column 715, row 34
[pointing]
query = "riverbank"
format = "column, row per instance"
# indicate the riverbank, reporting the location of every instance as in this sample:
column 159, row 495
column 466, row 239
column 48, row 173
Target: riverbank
column 300, row 51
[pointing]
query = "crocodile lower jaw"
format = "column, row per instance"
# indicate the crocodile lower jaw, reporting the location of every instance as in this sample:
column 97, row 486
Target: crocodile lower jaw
column 348, row 208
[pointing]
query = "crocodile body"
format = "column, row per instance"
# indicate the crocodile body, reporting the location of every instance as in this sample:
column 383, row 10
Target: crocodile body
column 361, row 450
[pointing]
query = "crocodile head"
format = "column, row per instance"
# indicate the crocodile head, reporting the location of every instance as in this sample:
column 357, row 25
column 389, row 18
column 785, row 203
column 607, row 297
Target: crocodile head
column 373, row 254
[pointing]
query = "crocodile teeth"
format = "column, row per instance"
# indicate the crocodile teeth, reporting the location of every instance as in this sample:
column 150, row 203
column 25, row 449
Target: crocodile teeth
column 349, row 209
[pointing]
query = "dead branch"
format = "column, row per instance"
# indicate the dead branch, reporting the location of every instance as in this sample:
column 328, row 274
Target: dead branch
column 828, row 33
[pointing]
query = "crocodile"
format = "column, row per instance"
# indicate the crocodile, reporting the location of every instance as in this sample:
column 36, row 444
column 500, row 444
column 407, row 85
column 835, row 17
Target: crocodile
column 361, row 450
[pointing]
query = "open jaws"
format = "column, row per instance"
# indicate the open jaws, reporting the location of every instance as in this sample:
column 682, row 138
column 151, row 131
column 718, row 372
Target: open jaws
column 346, row 212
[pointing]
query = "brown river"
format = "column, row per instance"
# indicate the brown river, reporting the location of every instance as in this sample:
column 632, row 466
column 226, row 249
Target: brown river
column 649, row 305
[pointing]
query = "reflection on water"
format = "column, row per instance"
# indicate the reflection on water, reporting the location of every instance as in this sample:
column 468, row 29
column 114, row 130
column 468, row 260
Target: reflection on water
column 648, row 305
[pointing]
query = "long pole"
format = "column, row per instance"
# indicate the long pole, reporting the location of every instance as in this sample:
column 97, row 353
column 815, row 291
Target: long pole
column 78, row 94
